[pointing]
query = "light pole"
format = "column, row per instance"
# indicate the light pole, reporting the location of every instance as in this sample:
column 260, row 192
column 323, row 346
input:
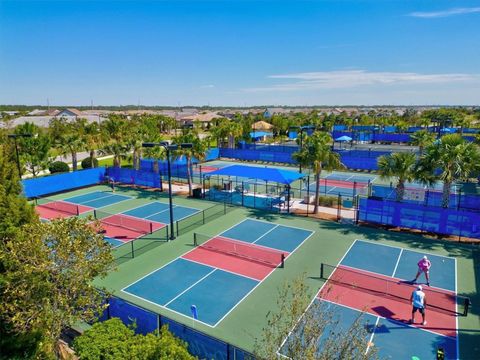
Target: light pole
column 14, row 137
column 169, row 147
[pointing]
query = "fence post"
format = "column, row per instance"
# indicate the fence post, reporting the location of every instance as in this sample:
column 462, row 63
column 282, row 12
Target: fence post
column 308, row 194
column 176, row 225
column 339, row 206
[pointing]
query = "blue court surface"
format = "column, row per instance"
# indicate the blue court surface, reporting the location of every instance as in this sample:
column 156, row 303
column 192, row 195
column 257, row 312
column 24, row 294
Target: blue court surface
column 159, row 212
column 215, row 292
column 97, row 199
column 351, row 177
column 114, row 242
column 183, row 283
column 392, row 339
column 263, row 233
column 401, row 263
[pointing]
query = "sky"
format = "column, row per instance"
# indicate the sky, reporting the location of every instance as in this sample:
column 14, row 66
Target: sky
column 240, row 53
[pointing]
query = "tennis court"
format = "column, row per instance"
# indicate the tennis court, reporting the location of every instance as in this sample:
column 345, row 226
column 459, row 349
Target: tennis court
column 344, row 184
column 159, row 212
column 220, row 271
column 49, row 209
column 377, row 279
column 97, row 199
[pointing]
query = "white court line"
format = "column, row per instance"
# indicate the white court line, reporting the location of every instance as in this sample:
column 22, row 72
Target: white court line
column 398, row 261
column 313, row 300
column 268, row 232
column 392, row 320
column 373, row 334
column 191, row 286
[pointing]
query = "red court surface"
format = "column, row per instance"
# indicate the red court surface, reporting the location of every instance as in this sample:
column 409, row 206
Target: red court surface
column 124, row 228
column 48, row 213
column 355, row 290
column 207, row 169
column 246, row 259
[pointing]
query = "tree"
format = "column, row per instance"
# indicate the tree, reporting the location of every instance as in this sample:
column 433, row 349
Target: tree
column 114, row 132
column 69, row 137
column 92, row 140
column 399, row 165
column 422, row 139
column 309, row 331
column 33, row 150
column 15, row 212
column 49, row 269
column 113, row 340
column 198, row 150
column 455, row 158
column 317, row 154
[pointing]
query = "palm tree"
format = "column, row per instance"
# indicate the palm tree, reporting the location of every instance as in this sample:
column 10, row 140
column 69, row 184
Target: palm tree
column 422, row 139
column 456, row 158
column 114, row 131
column 198, row 150
column 234, row 131
column 400, row 165
column 317, row 153
column 92, row 139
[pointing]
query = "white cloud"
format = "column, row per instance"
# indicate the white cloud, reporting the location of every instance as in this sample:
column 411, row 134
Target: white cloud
column 356, row 78
column 445, row 13
column 210, row 86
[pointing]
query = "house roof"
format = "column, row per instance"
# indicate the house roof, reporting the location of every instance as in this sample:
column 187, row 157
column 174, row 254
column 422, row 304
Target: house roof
column 207, row 117
column 262, row 125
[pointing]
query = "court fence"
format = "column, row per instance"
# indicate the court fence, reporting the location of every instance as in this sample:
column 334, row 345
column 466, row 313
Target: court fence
column 199, row 344
column 429, row 197
column 438, row 220
column 60, row 182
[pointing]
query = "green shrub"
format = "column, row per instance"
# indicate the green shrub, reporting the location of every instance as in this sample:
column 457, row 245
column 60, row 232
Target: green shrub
column 327, row 201
column 87, row 163
column 113, row 340
column 58, row 167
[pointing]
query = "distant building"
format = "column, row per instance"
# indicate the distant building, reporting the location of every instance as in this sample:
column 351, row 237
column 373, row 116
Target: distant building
column 42, row 112
column 70, row 113
column 262, row 125
column 205, row 119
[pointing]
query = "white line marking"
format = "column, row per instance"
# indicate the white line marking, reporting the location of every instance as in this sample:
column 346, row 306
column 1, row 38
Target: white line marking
column 269, row 231
column 314, row 297
column 191, row 286
column 373, row 334
column 396, row 264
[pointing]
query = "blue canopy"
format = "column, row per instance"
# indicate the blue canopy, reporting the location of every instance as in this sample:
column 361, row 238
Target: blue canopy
column 259, row 134
column 343, row 138
column 261, row 173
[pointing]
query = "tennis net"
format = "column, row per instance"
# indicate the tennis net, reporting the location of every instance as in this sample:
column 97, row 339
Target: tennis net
column 124, row 221
column 60, row 206
column 391, row 287
column 251, row 252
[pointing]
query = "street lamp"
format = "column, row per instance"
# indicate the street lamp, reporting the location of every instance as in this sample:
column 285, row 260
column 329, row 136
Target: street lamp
column 14, row 137
column 169, row 147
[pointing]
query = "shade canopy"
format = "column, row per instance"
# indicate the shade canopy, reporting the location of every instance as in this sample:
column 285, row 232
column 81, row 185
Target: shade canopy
column 261, row 173
column 259, row 134
column 343, row 138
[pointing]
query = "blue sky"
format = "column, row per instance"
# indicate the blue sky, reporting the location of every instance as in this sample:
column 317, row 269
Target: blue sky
column 240, row 52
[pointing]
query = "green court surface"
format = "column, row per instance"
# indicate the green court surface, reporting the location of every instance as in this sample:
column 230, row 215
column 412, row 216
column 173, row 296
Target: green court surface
column 328, row 244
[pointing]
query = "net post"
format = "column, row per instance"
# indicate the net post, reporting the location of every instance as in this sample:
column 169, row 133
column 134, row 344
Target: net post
column 282, row 264
column 166, row 232
column 466, row 305
column 78, row 210
column 321, row 271
column 151, row 228
column 339, row 206
column 95, row 214
column 176, row 225
column 133, row 249
column 224, row 207
column 195, row 243
column 203, row 216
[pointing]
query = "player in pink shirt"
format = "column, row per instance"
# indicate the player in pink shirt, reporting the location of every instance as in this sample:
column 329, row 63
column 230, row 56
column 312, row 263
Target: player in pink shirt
column 424, row 266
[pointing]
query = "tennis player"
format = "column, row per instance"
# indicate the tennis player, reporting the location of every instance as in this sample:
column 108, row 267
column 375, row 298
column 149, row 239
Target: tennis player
column 419, row 303
column 424, row 266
